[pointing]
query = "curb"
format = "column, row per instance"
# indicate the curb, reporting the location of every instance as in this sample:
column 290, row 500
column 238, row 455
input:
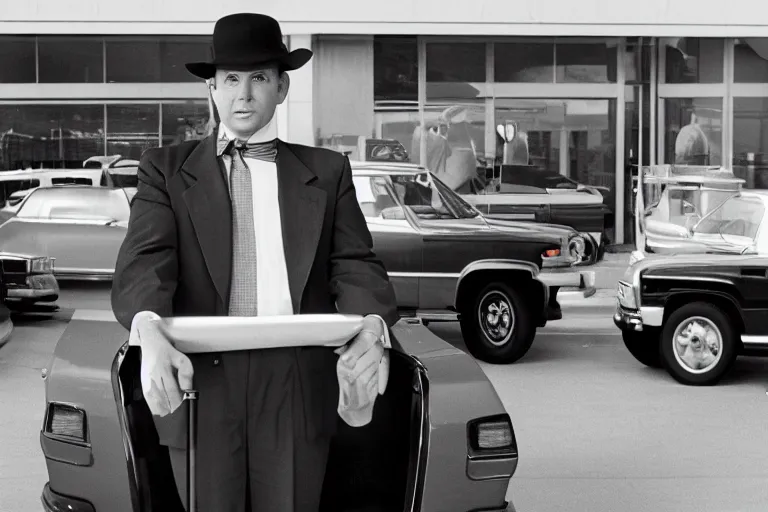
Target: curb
column 576, row 299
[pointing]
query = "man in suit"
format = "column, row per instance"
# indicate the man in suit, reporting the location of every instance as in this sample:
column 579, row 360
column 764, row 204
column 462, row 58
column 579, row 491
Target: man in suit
column 221, row 227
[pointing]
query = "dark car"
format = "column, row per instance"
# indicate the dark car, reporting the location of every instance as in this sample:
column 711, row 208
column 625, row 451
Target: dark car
column 533, row 194
column 499, row 279
column 440, row 438
column 694, row 296
column 28, row 279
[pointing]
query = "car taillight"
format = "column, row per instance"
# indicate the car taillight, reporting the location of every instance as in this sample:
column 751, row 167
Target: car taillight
column 66, row 421
column 493, row 435
column 551, row 253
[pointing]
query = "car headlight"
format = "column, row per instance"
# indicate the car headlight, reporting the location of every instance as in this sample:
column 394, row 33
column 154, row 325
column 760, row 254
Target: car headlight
column 42, row 265
column 577, row 247
column 625, row 293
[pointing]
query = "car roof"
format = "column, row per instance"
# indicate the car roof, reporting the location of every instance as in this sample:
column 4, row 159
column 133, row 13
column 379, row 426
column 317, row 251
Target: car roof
column 385, row 168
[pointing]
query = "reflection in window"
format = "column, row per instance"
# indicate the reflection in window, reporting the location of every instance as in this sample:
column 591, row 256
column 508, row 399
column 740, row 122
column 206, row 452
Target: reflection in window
column 154, row 58
column 750, row 141
column 524, row 62
column 132, row 129
column 691, row 60
column 50, row 136
column 692, row 131
column 738, row 216
column 751, row 60
column 17, row 60
column 586, row 62
column 71, row 59
column 184, row 121
column 395, row 68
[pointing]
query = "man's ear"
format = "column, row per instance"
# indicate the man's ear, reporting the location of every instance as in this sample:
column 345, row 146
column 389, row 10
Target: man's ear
column 283, row 84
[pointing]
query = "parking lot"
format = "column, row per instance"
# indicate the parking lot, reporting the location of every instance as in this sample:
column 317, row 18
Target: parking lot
column 596, row 430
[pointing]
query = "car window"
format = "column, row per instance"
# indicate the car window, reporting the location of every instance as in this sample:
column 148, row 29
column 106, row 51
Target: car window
column 738, row 216
column 430, row 198
column 80, row 203
column 374, row 198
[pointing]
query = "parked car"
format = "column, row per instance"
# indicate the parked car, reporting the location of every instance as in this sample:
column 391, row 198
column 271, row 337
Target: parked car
column 440, row 438
column 81, row 226
column 528, row 193
column 6, row 323
column 448, row 263
column 27, row 279
column 694, row 307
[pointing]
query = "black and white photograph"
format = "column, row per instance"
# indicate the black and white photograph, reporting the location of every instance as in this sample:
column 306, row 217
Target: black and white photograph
column 414, row 256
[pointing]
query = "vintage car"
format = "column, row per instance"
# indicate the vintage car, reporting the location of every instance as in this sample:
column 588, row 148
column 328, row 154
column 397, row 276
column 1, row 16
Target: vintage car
column 81, row 226
column 694, row 303
column 440, row 438
column 499, row 279
column 27, row 280
column 528, row 193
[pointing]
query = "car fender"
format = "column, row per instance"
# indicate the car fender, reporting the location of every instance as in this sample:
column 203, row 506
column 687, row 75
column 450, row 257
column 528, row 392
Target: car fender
column 500, row 265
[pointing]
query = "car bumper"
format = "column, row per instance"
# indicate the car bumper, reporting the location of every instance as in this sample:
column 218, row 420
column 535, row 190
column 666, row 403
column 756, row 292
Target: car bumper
column 582, row 280
column 40, row 288
column 84, row 274
column 54, row 502
column 634, row 320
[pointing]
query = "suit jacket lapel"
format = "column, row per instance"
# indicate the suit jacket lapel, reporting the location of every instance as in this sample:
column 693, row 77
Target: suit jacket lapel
column 302, row 210
column 210, row 209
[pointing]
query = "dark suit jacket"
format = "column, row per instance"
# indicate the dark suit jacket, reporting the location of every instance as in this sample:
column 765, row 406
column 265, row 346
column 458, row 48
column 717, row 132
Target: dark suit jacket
column 176, row 257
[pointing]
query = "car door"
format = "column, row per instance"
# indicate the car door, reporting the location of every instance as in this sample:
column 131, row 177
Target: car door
column 395, row 241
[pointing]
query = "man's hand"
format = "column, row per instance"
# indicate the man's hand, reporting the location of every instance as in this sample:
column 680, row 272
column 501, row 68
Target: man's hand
column 365, row 360
column 165, row 371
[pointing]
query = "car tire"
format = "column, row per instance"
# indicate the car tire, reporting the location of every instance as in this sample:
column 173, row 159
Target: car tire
column 696, row 363
column 644, row 346
column 497, row 324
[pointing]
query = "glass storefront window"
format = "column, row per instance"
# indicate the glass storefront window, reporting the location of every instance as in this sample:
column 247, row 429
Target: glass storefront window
column 50, row 136
column 131, row 129
column 527, row 62
column 692, row 131
column 751, row 60
column 153, row 58
column 17, row 60
column 586, row 62
column 453, row 66
column 691, row 60
column 750, row 141
column 395, row 69
column 184, row 121
column 70, row 59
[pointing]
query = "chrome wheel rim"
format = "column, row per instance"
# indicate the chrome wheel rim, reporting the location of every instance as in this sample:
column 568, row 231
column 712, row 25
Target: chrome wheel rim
column 697, row 344
column 496, row 317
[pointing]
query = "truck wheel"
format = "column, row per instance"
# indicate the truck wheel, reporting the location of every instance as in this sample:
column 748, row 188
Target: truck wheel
column 644, row 346
column 698, row 344
column 497, row 325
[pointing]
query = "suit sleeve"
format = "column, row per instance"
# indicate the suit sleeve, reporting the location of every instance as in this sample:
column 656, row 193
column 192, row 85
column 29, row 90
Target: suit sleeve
column 358, row 278
column 147, row 265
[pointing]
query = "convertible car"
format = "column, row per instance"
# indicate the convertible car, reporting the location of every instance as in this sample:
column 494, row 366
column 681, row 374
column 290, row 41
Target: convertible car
column 447, row 262
column 694, row 302
column 440, row 438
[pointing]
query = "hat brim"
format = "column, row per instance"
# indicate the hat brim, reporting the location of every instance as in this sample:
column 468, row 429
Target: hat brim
column 288, row 62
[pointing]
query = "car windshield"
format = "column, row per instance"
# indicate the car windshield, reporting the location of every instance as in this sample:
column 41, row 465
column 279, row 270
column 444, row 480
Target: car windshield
column 430, row 198
column 426, row 196
column 738, row 216
column 81, row 203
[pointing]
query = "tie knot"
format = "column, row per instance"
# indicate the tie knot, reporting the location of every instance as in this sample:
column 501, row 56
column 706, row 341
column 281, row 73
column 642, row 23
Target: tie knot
column 260, row 150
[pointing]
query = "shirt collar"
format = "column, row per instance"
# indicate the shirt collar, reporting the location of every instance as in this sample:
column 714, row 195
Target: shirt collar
column 266, row 134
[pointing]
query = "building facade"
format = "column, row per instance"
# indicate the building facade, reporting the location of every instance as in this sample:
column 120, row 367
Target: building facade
column 599, row 87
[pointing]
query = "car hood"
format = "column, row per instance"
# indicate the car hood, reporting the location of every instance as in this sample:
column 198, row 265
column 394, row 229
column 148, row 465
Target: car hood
column 81, row 247
column 683, row 259
column 496, row 229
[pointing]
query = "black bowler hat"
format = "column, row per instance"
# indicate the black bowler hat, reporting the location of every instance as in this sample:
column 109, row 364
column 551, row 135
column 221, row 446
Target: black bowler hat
column 244, row 41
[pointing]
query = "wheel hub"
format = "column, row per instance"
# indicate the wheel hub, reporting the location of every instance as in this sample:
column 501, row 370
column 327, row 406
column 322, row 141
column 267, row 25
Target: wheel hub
column 497, row 319
column 698, row 345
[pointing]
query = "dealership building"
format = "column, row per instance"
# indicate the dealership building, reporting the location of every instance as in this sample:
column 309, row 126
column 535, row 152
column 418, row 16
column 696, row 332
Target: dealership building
column 598, row 86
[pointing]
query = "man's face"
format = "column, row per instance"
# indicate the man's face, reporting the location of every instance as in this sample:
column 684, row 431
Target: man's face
column 246, row 100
